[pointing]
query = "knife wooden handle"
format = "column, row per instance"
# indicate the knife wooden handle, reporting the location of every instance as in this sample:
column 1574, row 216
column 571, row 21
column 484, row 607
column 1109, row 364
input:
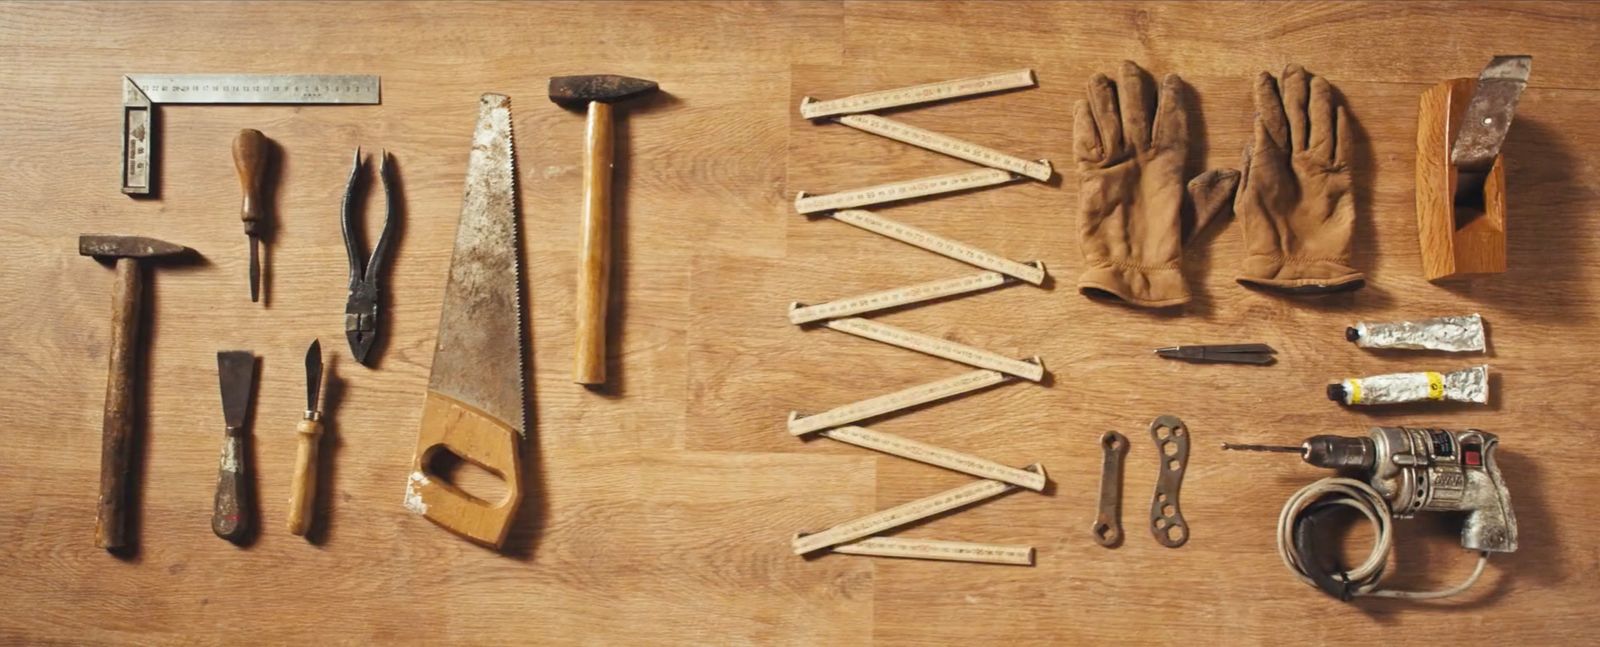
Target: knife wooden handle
column 111, row 530
column 478, row 438
column 594, row 269
column 303, row 492
column 230, row 509
column 250, row 151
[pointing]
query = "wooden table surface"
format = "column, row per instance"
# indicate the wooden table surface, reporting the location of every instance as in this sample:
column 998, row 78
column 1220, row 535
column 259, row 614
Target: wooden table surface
column 660, row 511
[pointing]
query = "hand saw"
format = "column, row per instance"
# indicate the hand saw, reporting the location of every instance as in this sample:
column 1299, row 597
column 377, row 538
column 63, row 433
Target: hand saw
column 476, row 401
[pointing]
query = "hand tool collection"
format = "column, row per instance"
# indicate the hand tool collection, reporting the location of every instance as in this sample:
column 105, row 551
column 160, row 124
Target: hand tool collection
column 1139, row 206
column 475, row 405
column 1294, row 201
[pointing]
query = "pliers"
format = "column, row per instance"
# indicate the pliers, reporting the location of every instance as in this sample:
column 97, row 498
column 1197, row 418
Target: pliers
column 361, row 311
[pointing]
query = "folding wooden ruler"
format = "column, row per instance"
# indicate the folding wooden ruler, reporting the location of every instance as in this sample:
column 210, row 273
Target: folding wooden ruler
column 857, row 536
column 141, row 93
column 1002, row 167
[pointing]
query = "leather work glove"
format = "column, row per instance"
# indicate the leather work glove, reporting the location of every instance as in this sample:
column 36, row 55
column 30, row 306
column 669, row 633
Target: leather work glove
column 1131, row 147
column 1295, row 203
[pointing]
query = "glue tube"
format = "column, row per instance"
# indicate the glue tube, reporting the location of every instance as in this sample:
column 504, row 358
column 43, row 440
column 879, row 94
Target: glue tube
column 1461, row 333
column 1466, row 385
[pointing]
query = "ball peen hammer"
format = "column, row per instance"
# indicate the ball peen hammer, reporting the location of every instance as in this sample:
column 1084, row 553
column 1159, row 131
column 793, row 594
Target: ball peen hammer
column 596, row 93
column 116, row 449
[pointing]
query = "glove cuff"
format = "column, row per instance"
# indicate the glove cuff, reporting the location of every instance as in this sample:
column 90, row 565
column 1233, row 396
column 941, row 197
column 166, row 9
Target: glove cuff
column 1299, row 275
column 1147, row 287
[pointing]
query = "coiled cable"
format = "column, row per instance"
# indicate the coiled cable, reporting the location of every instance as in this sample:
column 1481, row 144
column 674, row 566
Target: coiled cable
column 1296, row 526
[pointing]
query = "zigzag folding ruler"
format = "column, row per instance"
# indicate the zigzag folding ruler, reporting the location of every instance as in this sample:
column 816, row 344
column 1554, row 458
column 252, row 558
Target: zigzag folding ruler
column 860, row 536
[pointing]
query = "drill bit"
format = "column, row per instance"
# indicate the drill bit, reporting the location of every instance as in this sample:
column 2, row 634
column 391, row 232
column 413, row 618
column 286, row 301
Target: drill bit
column 1286, row 449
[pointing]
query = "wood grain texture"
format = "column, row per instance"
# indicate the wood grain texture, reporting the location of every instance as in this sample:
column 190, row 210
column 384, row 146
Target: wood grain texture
column 659, row 510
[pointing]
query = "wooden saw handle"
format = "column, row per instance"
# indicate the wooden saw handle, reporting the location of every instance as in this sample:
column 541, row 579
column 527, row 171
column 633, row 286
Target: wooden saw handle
column 250, row 151
column 478, row 438
column 303, row 492
column 594, row 270
column 111, row 530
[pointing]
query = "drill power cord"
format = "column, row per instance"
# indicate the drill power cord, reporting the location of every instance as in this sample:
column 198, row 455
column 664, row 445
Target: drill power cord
column 1295, row 547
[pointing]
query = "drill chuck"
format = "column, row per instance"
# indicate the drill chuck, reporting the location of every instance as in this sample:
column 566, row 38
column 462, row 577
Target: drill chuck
column 1339, row 452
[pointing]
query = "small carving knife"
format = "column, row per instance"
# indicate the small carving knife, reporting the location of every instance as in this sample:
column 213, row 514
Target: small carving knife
column 303, row 492
column 230, row 514
column 1489, row 113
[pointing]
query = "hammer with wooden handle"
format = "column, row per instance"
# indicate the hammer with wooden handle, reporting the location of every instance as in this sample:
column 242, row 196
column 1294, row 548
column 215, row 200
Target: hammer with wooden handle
column 595, row 92
column 111, row 530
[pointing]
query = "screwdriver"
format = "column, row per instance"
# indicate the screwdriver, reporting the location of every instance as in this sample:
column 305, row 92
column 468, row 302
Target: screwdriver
column 251, row 151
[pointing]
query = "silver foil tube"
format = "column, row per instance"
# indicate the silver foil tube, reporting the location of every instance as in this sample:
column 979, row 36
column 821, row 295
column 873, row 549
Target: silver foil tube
column 1461, row 333
column 1466, row 385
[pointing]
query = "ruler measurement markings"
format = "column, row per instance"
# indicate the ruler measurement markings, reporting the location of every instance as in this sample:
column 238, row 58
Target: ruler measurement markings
column 918, row 237
column 947, row 145
column 937, row 91
column 891, row 402
column 143, row 92
column 938, row 347
column 903, row 514
column 903, row 190
column 933, row 455
column 941, row 550
column 257, row 89
column 895, row 297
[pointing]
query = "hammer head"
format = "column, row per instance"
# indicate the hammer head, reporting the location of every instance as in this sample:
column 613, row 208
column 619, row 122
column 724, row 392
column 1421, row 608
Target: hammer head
column 578, row 91
column 107, row 246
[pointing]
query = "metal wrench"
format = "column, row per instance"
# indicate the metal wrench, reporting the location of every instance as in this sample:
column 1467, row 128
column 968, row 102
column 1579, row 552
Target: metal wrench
column 1166, row 520
column 1108, row 525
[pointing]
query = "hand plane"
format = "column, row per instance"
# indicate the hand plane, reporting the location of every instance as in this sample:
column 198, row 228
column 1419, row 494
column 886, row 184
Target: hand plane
column 1461, row 180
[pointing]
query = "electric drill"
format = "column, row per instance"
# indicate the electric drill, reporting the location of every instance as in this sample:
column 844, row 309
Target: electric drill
column 1412, row 470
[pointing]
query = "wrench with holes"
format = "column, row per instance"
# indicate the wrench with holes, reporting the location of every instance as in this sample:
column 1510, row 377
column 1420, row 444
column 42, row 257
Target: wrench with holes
column 1108, row 523
column 1166, row 520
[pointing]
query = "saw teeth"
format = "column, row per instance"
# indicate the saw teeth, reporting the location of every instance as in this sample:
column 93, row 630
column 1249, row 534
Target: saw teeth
column 523, row 333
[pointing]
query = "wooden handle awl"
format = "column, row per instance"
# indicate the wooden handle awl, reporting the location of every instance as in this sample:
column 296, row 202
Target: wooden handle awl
column 478, row 438
column 303, row 492
column 116, row 436
column 250, row 150
column 594, row 270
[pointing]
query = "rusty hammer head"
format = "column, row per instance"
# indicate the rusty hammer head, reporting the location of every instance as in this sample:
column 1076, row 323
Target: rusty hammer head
column 578, row 91
column 107, row 247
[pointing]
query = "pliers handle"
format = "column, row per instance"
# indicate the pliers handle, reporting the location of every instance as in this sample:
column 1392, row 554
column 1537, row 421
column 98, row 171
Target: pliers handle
column 361, row 324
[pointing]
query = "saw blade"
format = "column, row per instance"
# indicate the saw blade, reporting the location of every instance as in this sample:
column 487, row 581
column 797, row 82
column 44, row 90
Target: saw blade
column 1489, row 113
column 478, row 358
